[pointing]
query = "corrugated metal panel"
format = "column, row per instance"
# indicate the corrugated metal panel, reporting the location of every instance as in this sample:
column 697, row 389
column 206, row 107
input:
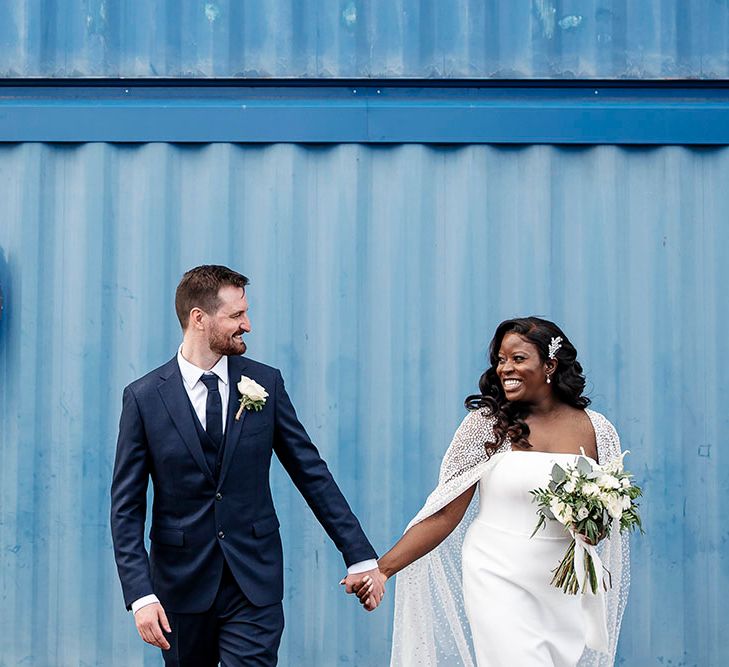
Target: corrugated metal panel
column 378, row 275
column 351, row 38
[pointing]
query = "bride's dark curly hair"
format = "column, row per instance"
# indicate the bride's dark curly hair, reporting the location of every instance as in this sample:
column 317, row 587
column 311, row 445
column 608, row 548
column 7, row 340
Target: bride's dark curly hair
column 568, row 382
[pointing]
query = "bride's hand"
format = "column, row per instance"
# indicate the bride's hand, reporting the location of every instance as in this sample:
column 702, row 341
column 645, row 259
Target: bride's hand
column 371, row 589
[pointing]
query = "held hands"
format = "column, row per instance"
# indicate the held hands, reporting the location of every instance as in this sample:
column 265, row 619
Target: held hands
column 368, row 586
column 151, row 620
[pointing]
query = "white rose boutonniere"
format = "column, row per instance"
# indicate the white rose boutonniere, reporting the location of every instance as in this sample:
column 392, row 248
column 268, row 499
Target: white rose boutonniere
column 252, row 396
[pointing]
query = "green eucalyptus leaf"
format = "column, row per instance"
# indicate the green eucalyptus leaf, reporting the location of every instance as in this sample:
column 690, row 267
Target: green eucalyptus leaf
column 584, row 466
column 558, row 474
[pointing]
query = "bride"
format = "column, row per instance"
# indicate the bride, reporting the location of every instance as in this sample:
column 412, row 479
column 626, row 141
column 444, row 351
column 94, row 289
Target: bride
column 473, row 587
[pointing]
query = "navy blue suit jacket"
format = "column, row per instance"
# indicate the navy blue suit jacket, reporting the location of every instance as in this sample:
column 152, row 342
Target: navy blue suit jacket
column 196, row 520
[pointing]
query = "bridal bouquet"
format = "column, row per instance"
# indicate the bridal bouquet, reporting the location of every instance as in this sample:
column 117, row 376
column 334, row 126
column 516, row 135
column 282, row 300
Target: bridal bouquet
column 590, row 501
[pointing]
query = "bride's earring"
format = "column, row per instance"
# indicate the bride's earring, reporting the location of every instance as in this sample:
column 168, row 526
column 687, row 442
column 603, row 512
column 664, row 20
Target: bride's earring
column 549, row 380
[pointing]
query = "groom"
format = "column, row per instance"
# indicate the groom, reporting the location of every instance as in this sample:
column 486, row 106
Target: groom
column 211, row 587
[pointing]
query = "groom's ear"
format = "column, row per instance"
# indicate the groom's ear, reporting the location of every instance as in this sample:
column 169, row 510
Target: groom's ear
column 195, row 320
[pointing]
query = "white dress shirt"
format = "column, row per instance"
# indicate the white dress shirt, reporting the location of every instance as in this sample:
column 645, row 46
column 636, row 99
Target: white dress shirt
column 197, row 392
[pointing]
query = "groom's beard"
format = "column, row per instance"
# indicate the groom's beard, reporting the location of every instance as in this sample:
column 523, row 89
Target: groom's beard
column 222, row 343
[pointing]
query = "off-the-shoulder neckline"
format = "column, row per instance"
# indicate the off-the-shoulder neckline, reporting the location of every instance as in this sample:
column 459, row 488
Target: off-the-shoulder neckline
column 594, row 417
column 539, row 451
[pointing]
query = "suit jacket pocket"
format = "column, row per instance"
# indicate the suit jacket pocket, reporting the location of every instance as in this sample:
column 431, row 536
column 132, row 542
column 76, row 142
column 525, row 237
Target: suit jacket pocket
column 265, row 526
column 169, row 536
column 251, row 430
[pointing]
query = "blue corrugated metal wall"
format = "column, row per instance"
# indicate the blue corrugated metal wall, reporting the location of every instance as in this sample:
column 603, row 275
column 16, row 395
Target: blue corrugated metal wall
column 378, row 275
column 355, row 38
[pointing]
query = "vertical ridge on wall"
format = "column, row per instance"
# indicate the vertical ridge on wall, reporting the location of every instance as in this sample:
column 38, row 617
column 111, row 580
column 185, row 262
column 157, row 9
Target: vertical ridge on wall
column 403, row 38
column 378, row 275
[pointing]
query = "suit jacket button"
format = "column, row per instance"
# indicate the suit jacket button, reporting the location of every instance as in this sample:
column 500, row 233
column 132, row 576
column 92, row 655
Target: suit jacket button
column 218, row 496
column 221, row 534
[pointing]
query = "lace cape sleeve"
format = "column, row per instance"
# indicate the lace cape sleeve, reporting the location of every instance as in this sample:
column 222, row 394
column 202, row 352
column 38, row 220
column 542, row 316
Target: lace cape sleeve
column 430, row 623
column 430, row 626
column 462, row 463
column 614, row 553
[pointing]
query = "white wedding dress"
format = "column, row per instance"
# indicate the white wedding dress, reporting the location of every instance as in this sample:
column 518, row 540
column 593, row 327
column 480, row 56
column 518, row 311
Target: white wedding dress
column 516, row 616
column 483, row 597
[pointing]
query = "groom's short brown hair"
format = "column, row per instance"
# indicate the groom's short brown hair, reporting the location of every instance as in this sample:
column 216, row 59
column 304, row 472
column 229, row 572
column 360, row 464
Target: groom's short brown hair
column 199, row 288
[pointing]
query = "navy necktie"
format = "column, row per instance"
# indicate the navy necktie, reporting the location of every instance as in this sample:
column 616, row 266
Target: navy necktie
column 213, row 409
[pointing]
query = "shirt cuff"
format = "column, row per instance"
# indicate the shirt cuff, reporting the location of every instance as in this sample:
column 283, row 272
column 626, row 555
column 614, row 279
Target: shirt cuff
column 143, row 602
column 362, row 566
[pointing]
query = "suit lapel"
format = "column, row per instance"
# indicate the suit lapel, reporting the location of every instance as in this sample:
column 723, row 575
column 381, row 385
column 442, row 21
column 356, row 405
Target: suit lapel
column 233, row 426
column 174, row 397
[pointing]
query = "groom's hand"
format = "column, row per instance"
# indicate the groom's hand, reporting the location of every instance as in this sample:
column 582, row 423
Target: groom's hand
column 151, row 620
column 369, row 587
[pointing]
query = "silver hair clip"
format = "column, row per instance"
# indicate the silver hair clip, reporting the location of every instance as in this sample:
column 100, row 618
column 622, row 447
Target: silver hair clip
column 554, row 345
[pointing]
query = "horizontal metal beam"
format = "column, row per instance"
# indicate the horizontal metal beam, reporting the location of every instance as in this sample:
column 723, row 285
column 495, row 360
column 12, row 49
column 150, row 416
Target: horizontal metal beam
column 543, row 112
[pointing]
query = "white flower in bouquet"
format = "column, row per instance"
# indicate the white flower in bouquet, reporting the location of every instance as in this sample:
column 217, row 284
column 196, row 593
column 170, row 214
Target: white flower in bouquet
column 615, row 507
column 590, row 489
column 615, row 467
column 562, row 512
column 608, row 482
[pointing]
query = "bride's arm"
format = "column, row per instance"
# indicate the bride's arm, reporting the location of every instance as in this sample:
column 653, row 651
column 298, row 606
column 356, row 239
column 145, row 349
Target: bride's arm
column 422, row 538
column 465, row 454
column 425, row 536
